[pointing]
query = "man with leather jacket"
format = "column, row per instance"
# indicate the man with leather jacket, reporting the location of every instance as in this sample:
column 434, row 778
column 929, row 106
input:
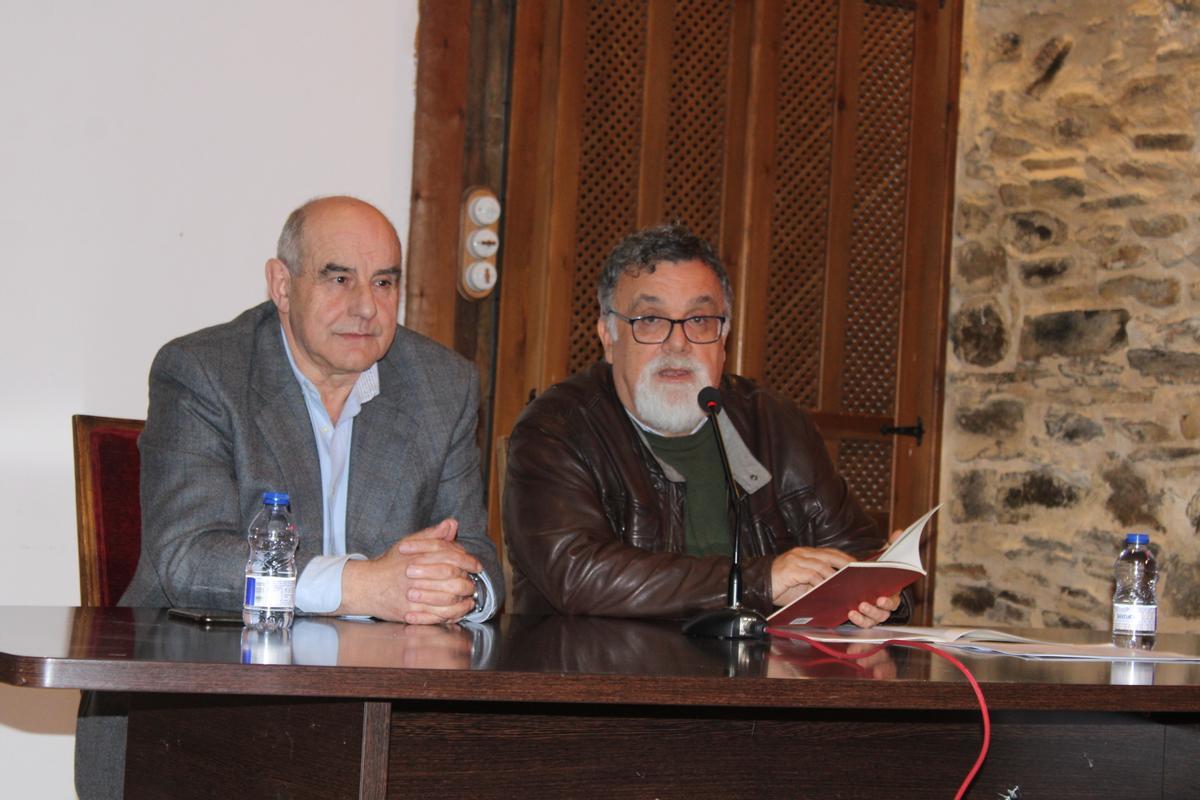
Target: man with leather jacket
column 615, row 500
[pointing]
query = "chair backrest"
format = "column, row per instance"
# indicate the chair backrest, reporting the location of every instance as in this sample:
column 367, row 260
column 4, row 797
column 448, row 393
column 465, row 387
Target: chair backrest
column 107, row 505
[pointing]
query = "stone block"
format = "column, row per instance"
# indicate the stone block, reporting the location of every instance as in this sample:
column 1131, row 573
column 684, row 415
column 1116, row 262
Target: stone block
column 974, row 600
column 1037, row 488
column 1148, row 170
column 1056, row 619
column 1178, row 142
column 1061, row 188
column 997, row 419
column 1048, row 550
column 972, row 496
column 1169, row 253
column 1125, row 256
column 1166, row 366
column 979, row 336
column 1033, row 231
column 1149, row 90
column 1047, row 64
column 1072, row 428
column 1167, row 454
column 1043, row 272
column 1074, row 333
column 1113, row 201
column 1100, row 238
column 1156, row 293
column 974, row 216
column 1188, row 329
column 1189, row 422
column 1013, row 195
column 973, row 571
column 979, row 262
column 1177, row 52
column 1044, row 164
column 1159, row 227
column 1010, row 146
column 1143, row 432
column 1193, row 512
column 1181, row 591
column 1070, row 130
column 1130, row 500
column 1080, row 597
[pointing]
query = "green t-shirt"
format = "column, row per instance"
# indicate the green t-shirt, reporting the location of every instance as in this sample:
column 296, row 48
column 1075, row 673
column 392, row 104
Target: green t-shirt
column 706, row 505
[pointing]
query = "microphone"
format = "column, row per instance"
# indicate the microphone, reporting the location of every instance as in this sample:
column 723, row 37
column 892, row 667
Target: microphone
column 734, row 621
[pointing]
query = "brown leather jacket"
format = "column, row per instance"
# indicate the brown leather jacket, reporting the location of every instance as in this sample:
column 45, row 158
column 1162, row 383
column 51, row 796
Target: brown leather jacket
column 594, row 524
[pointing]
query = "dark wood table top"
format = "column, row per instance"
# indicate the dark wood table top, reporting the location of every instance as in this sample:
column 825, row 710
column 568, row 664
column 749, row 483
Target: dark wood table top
column 554, row 659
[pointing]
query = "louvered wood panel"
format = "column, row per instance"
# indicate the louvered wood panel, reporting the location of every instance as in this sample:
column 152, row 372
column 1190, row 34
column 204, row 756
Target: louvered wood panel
column 877, row 228
column 800, row 205
column 610, row 143
column 876, row 242
column 698, row 107
column 867, row 467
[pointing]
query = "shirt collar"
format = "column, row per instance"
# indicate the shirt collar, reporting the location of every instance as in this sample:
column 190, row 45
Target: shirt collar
column 365, row 388
column 747, row 470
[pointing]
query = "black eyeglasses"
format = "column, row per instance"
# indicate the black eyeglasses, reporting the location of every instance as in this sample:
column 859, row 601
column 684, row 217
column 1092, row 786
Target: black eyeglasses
column 702, row 329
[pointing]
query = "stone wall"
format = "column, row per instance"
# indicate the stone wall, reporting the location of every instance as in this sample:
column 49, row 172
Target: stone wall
column 1073, row 366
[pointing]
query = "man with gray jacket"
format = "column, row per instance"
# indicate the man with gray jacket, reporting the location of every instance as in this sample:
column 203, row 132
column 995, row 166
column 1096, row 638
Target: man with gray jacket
column 370, row 428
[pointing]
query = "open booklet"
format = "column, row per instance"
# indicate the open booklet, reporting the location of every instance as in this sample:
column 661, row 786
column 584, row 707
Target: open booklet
column 830, row 601
column 992, row 642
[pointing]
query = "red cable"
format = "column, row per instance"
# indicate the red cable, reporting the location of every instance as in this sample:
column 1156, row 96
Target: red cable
column 987, row 721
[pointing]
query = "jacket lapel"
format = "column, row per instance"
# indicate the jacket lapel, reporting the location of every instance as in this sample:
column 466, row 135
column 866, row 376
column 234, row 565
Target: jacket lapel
column 383, row 438
column 282, row 420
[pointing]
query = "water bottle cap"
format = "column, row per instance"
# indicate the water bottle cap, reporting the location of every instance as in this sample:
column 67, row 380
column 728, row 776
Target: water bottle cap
column 275, row 499
column 1137, row 538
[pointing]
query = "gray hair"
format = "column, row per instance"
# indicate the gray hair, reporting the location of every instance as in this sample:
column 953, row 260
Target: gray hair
column 649, row 247
column 290, row 249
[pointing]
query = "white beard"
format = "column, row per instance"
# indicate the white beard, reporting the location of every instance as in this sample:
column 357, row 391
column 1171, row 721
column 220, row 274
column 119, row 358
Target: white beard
column 670, row 409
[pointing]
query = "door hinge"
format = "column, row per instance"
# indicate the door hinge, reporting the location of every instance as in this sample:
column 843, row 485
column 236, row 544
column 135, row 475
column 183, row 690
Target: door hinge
column 916, row 431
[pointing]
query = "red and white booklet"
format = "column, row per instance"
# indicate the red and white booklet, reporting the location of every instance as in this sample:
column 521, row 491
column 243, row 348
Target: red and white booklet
column 829, row 603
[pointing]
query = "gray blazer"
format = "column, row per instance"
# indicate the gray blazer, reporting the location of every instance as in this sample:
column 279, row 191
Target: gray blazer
column 227, row 422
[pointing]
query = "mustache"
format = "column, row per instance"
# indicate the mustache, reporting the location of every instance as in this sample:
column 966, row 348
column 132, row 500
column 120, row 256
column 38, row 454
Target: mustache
column 668, row 361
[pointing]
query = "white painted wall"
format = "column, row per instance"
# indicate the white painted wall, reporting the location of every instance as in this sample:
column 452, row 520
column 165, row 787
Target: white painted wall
column 149, row 153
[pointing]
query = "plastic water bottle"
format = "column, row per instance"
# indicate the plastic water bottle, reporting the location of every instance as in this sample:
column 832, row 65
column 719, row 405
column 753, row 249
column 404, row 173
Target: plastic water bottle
column 269, row 602
column 1135, row 609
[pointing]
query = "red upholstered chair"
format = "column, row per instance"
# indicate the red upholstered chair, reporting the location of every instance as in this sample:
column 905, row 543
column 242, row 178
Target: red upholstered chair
column 107, row 505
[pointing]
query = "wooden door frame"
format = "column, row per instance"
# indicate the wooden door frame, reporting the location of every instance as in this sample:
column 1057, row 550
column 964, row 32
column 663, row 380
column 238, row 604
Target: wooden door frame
column 924, row 308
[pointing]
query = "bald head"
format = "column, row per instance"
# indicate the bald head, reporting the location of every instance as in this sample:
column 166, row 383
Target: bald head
column 292, row 246
column 336, row 285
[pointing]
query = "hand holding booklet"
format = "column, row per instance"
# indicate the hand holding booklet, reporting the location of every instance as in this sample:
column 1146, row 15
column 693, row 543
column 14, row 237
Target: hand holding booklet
column 829, row 602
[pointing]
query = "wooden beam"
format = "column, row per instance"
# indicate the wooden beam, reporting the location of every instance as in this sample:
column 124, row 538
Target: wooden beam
column 443, row 49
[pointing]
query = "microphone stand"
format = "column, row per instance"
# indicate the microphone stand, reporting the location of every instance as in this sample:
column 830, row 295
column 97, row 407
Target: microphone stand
column 734, row 621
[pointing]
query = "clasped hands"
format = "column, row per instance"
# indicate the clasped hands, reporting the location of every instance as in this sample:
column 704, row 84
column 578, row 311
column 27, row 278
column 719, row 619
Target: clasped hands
column 422, row 579
column 795, row 572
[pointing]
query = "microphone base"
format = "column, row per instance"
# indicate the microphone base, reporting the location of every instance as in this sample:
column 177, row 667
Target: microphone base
column 727, row 623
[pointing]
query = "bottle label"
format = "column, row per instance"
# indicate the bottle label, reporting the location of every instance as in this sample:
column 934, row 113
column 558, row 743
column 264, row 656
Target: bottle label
column 1134, row 618
column 269, row 591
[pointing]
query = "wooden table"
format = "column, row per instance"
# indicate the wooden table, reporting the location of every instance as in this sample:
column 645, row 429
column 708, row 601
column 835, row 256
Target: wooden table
column 559, row 707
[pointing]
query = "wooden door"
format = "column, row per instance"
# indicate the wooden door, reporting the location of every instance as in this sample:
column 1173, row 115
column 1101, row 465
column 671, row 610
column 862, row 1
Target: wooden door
column 810, row 140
